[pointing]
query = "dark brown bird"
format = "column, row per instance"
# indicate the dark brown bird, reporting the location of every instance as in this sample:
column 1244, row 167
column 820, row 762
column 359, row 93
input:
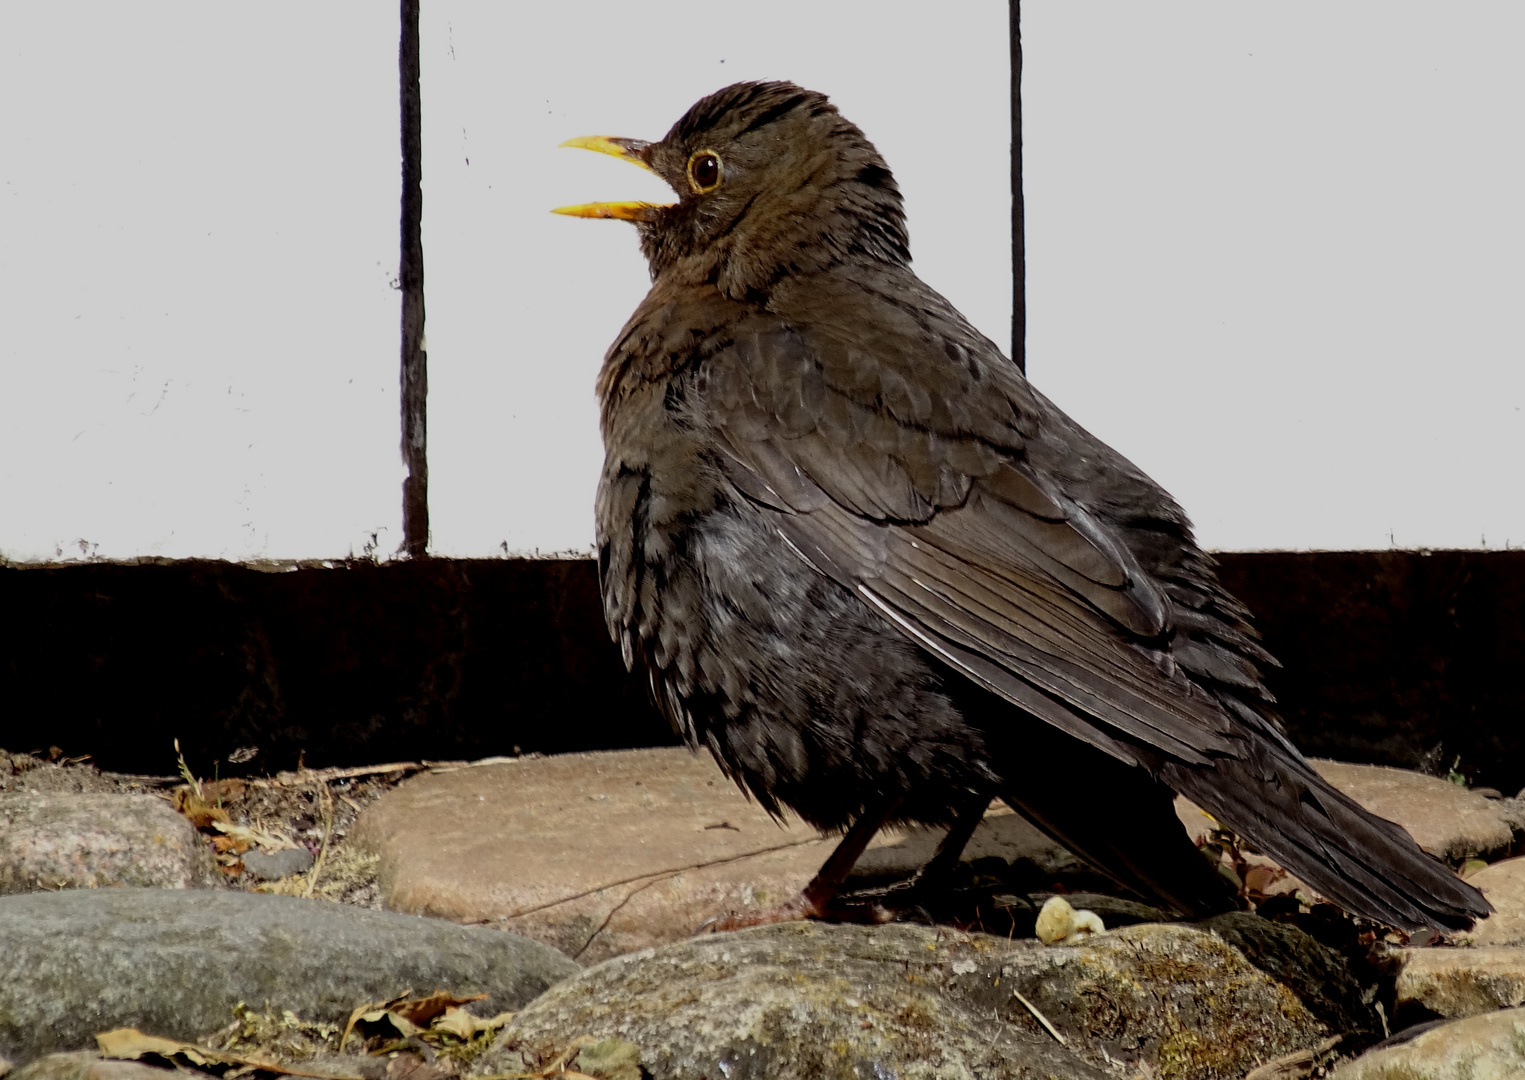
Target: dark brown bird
column 884, row 579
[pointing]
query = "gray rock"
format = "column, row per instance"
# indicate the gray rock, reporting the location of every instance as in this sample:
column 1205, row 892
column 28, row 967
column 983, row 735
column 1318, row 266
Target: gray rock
column 89, row 840
column 278, row 864
column 1316, row 974
column 820, row 1001
column 174, row 962
column 1487, row 1047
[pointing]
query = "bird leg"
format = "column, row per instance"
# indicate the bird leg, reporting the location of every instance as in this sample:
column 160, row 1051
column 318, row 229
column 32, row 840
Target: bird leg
column 934, row 878
column 937, row 872
column 818, row 899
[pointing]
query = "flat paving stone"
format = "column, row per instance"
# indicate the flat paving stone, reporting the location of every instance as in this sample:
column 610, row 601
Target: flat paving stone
column 1487, row 1047
column 1443, row 818
column 174, row 962
column 1463, row 982
column 602, row 854
column 92, row 840
column 1503, row 884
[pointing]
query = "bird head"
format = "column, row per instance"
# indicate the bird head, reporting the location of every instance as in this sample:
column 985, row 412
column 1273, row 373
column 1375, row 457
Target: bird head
column 770, row 179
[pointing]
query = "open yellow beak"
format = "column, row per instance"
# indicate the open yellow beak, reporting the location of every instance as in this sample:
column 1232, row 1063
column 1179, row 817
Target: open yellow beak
column 631, row 150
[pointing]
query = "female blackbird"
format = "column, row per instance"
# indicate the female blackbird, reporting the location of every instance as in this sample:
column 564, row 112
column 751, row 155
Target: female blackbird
column 883, row 579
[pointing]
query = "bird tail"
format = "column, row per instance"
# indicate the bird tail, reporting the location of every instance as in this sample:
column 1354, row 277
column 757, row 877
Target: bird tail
column 1366, row 864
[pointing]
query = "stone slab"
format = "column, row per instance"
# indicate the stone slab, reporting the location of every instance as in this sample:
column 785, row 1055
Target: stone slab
column 602, row 854
column 1463, row 982
column 1487, row 1047
column 1503, row 884
column 1444, row 818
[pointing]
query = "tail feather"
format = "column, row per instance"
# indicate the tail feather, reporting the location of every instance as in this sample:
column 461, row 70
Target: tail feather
column 1365, row 864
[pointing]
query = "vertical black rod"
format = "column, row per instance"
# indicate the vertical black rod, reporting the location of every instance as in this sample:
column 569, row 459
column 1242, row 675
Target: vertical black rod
column 1018, row 209
column 410, row 276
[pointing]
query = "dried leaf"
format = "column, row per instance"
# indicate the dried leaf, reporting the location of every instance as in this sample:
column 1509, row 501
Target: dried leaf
column 422, row 1011
column 410, row 1016
column 467, row 1026
column 132, row 1044
column 224, row 845
column 195, row 809
column 405, row 1027
column 1262, row 879
column 369, row 1013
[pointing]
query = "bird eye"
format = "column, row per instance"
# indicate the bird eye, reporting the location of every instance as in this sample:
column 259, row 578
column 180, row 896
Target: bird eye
column 704, row 171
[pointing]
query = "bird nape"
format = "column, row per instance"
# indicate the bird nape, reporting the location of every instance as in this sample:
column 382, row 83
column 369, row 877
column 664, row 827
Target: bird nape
column 885, row 580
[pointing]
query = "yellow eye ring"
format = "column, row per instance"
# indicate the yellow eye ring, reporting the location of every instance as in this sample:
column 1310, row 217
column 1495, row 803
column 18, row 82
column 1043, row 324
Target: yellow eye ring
column 704, row 172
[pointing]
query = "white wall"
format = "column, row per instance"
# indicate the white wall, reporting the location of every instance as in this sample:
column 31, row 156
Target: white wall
column 522, row 303
column 1275, row 256
column 198, row 241
column 1273, row 253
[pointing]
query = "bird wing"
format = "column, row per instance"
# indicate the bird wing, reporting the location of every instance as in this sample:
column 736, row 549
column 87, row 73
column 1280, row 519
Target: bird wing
column 898, row 466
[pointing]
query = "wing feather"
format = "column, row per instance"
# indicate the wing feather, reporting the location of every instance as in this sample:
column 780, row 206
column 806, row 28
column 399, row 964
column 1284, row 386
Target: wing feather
column 944, row 525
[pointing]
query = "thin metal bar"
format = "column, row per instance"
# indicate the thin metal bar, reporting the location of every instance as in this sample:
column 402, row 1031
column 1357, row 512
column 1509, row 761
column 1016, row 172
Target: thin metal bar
column 1018, row 209
column 410, row 275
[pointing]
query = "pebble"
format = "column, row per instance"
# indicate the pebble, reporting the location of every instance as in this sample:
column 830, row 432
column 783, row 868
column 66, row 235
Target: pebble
column 277, row 865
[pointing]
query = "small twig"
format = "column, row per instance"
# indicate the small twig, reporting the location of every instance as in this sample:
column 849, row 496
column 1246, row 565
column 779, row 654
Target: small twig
column 284, row 779
column 1040, row 1018
column 328, row 830
column 453, row 766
